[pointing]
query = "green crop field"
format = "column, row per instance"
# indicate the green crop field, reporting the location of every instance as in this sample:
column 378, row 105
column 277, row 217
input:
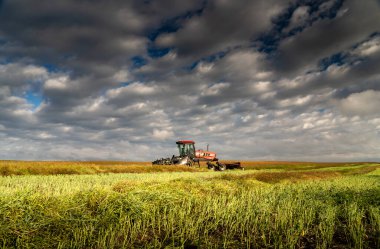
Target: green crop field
column 135, row 205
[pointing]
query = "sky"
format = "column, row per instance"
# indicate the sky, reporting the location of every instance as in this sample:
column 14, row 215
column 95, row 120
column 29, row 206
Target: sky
column 291, row 80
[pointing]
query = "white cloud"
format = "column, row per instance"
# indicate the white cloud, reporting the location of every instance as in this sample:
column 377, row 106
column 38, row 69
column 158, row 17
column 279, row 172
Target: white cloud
column 35, row 71
column 204, row 67
column 133, row 44
column 337, row 71
column 308, row 125
column 368, row 48
column 362, row 104
column 166, row 40
column 326, row 5
column 132, row 89
column 261, row 86
column 162, row 134
column 299, row 17
column 59, row 83
column 45, row 135
column 244, row 63
column 215, row 89
column 19, row 75
column 121, row 76
column 4, row 91
column 296, row 101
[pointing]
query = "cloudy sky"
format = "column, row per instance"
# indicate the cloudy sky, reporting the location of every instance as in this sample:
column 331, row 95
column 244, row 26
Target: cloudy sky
column 123, row 80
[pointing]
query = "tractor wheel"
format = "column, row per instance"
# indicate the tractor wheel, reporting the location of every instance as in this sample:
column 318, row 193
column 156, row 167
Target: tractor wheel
column 222, row 166
column 210, row 166
column 190, row 162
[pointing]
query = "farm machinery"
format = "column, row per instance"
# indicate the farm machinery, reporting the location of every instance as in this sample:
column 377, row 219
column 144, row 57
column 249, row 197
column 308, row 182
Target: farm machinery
column 190, row 157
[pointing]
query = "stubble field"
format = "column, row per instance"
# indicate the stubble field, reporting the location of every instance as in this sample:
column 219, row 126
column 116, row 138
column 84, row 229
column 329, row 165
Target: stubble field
column 136, row 205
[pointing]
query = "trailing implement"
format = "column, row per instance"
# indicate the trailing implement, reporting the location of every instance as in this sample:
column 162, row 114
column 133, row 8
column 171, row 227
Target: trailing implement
column 218, row 166
column 189, row 156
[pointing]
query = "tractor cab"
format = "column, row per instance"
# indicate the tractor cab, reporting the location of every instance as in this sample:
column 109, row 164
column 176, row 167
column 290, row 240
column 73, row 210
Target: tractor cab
column 186, row 148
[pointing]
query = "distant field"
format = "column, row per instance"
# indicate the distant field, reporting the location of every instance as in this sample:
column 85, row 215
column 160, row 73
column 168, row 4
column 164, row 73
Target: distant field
column 81, row 168
column 268, row 205
column 99, row 167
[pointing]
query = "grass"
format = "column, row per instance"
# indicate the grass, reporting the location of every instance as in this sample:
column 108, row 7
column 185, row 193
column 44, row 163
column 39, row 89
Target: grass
column 8, row 168
column 274, row 207
column 79, row 168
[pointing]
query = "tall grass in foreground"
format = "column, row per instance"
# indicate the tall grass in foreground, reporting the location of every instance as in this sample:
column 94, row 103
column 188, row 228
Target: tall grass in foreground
column 202, row 210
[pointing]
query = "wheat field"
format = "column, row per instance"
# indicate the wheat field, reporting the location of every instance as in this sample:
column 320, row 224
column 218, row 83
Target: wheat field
column 268, row 205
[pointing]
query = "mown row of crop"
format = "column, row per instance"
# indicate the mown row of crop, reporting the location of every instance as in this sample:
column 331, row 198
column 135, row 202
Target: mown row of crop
column 231, row 210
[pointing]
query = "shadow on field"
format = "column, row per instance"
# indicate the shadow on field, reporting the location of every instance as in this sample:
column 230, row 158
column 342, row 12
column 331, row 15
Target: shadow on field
column 276, row 177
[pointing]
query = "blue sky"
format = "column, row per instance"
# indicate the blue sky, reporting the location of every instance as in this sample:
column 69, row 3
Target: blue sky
column 34, row 98
column 123, row 80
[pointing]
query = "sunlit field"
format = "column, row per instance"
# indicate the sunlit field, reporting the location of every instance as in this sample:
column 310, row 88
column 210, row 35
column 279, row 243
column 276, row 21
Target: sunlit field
column 8, row 168
column 135, row 205
column 80, row 168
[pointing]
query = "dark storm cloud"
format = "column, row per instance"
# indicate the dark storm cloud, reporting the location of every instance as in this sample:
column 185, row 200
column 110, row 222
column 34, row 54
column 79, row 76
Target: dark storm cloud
column 222, row 25
column 288, row 80
column 83, row 37
column 355, row 21
column 90, row 40
column 355, row 71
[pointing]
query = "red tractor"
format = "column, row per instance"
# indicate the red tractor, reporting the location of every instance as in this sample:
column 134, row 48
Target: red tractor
column 189, row 156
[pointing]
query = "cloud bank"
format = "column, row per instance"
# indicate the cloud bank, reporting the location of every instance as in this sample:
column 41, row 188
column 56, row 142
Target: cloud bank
column 123, row 80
